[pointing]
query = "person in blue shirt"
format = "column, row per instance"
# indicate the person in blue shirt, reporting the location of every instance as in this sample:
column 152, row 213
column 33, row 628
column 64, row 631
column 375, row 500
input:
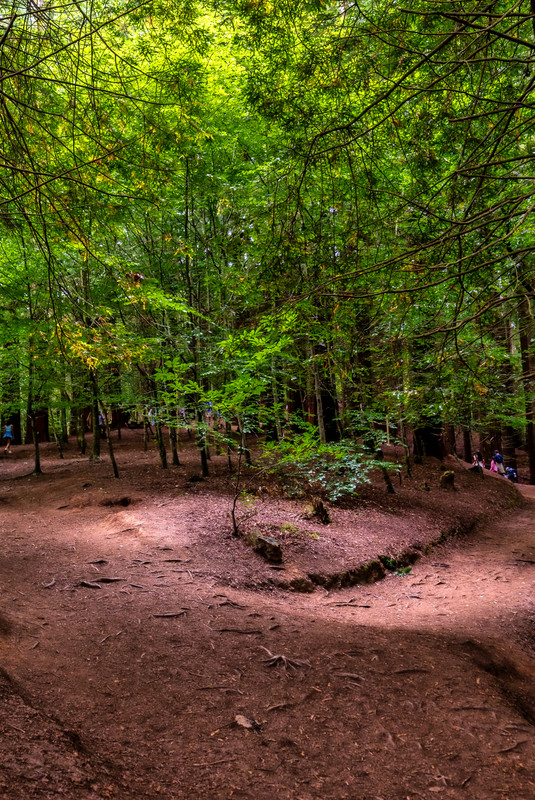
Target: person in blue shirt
column 8, row 438
column 510, row 473
column 498, row 460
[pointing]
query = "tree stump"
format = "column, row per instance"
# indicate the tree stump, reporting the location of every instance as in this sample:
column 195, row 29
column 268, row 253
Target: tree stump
column 320, row 511
column 447, row 480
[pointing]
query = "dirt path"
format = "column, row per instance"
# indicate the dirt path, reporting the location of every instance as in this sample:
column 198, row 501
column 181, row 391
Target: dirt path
column 167, row 681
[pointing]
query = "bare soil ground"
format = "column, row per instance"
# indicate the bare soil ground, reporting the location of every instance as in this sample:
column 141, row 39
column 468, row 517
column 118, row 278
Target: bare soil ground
column 146, row 652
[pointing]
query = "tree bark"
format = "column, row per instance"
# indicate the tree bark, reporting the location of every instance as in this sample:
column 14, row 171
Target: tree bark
column 467, row 444
column 526, row 330
column 161, row 443
column 110, row 443
column 201, row 443
column 95, row 453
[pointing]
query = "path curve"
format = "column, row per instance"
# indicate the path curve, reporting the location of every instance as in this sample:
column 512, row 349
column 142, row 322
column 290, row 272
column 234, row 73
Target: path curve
column 170, row 684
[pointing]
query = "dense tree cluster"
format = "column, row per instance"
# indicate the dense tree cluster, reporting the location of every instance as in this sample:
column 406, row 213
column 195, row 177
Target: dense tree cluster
column 260, row 207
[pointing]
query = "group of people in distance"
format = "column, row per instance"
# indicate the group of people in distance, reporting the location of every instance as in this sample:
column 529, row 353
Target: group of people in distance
column 496, row 465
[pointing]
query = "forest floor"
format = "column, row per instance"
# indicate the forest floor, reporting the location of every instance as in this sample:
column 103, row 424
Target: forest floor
column 146, row 652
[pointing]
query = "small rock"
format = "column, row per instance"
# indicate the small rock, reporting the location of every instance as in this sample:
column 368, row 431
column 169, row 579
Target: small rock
column 303, row 584
column 244, row 722
column 269, row 548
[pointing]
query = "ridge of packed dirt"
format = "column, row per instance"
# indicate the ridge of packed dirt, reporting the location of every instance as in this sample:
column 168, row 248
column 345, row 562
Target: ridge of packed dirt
column 146, row 652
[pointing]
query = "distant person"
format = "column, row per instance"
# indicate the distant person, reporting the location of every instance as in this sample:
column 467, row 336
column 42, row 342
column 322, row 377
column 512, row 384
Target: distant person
column 478, row 465
column 8, row 438
column 511, row 475
column 498, row 460
column 478, row 460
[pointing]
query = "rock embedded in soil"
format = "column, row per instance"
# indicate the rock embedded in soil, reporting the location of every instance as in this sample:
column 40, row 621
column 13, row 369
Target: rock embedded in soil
column 269, row 548
column 302, row 584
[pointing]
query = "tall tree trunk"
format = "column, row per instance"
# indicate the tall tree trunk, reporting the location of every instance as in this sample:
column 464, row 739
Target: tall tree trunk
column 319, row 405
column 95, row 454
column 201, row 442
column 526, row 330
column 173, row 441
column 309, row 399
column 36, row 450
column 30, row 417
column 467, row 444
column 56, row 432
column 228, row 431
column 508, row 432
column 243, row 441
column 80, row 430
column 276, row 400
column 63, row 425
column 161, row 443
column 146, row 429
column 108, row 437
column 340, row 402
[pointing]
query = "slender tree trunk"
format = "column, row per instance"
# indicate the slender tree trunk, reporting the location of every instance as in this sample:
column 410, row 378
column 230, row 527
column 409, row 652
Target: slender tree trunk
column 30, row 418
column 80, row 431
column 309, row 401
column 237, row 488
column 527, row 379
column 243, row 442
column 33, row 429
column 508, row 432
column 63, row 426
column 340, row 402
column 201, row 443
column 56, row 433
column 173, row 441
column 228, row 431
column 319, row 405
column 95, row 454
column 110, row 443
column 34, row 433
column 145, row 433
column 36, row 449
column 386, row 477
column 276, row 400
column 161, row 443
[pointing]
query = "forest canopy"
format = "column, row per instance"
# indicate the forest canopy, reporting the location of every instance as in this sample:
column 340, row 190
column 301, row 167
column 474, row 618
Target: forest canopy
column 263, row 208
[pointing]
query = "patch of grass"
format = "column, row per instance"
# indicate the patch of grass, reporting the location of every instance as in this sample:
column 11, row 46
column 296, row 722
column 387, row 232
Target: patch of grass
column 403, row 571
column 291, row 530
column 392, row 564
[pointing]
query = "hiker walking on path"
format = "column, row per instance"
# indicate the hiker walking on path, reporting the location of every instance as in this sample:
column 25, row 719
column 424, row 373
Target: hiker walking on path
column 8, row 438
column 497, row 459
